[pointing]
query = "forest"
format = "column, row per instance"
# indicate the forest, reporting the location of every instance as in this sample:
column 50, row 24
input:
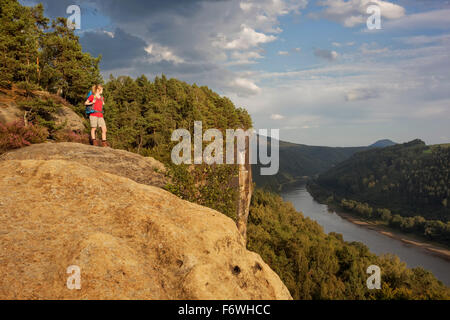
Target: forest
column 39, row 54
column 141, row 114
column 298, row 161
column 314, row 265
column 434, row 230
column 407, row 186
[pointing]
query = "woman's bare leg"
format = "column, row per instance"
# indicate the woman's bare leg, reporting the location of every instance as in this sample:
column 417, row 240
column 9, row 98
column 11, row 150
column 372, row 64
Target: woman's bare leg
column 104, row 130
column 93, row 135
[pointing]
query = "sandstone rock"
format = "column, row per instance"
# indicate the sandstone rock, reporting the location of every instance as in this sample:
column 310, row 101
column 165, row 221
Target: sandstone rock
column 122, row 163
column 69, row 119
column 10, row 111
column 131, row 241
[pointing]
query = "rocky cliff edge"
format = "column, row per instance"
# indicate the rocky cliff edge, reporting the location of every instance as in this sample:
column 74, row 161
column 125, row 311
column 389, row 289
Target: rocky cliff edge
column 130, row 240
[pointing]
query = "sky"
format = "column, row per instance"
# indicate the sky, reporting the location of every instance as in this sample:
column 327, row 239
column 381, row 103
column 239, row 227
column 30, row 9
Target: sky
column 312, row 69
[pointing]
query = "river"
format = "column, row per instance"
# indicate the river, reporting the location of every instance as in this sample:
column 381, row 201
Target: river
column 377, row 243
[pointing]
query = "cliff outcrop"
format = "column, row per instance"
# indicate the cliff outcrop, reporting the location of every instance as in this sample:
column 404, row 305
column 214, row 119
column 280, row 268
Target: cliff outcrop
column 97, row 209
column 144, row 170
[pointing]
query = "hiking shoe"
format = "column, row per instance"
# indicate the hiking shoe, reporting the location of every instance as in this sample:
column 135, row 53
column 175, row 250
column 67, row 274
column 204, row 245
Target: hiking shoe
column 95, row 143
column 105, row 144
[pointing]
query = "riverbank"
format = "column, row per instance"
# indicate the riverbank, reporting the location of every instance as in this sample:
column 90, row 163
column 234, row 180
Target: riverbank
column 408, row 239
column 352, row 228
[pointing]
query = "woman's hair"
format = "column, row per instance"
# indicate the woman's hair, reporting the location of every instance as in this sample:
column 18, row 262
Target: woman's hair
column 96, row 88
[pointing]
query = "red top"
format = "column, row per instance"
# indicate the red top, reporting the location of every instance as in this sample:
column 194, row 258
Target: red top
column 98, row 106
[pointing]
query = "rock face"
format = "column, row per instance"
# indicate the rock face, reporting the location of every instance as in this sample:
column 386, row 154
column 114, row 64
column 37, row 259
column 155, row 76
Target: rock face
column 130, row 240
column 10, row 110
column 245, row 192
column 122, row 163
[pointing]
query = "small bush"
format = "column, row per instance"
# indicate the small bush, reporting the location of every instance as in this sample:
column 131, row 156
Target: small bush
column 28, row 87
column 41, row 112
column 71, row 136
column 5, row 84
column 16, row 135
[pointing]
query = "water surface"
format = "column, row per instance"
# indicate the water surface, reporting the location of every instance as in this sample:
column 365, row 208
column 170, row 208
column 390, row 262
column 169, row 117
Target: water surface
column 377, row 243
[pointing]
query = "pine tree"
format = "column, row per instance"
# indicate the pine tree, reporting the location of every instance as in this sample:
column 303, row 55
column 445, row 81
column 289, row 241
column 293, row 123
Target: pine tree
column 66, row 69
column 19, row 42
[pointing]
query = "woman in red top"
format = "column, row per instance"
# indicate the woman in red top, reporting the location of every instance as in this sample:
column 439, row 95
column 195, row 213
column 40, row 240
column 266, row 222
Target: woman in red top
column 96, row 119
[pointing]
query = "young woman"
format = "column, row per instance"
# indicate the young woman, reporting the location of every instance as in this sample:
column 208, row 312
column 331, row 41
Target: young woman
column 96, row 119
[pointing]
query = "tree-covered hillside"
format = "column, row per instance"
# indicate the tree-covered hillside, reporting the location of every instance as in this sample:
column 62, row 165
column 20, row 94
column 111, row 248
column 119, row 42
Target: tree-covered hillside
column 37, row 53
column 409, row 179
column 141, row 116
column 383, row 143
column 405, row 186
column 298, row 161
column 314, row 265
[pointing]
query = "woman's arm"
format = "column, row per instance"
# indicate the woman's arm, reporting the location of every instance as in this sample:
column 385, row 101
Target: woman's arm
column 89, row 102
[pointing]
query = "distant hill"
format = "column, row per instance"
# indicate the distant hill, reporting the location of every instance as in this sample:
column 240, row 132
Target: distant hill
column 409, row 179
column 298, row 161
column 383, row 144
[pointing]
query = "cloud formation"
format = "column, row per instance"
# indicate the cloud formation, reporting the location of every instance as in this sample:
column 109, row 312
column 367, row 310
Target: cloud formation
column 351, row 13
column 276, row 116
column 244, row 87
column 326, row 54
column 247, row 38
column 118, row 49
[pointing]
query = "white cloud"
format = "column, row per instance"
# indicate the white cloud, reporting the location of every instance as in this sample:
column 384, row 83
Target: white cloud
column 109, row 33
column 353, row 12
column 276, row 116
column 283, row 53
column 246, row 6
column 244, row 87
column 352, row 21
column 389, row 10
column 244, row 57
column 247, row 38
column 159, row 53
column 339, row 44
